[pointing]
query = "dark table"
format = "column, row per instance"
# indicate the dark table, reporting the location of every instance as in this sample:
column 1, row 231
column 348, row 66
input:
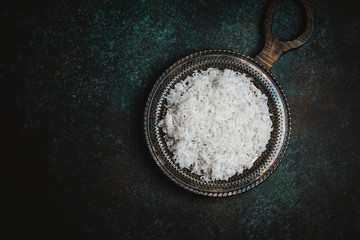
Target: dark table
column 75, row 76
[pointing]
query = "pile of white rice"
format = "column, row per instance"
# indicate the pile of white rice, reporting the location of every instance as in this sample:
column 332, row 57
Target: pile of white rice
column 217, row 123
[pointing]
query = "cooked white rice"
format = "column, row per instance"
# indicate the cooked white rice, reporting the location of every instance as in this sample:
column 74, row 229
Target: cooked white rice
column 217, row 123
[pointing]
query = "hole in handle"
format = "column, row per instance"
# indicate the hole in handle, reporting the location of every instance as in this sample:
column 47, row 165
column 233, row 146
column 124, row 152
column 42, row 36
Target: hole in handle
column 289, row 20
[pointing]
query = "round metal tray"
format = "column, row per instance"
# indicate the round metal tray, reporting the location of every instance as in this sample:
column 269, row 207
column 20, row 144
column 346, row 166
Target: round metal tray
column 262, row 79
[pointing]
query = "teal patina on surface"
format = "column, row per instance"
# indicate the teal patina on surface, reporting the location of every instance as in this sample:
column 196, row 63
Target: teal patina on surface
column 75, row 77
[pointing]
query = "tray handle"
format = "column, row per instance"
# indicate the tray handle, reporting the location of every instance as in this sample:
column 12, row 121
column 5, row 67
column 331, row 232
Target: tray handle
column 274, row 48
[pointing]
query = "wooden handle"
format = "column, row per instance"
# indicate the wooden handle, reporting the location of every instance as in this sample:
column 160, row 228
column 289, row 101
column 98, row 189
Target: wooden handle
column 274, row 48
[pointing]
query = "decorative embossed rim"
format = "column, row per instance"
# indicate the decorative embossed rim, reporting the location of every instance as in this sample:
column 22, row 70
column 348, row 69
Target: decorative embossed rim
column 192, row 186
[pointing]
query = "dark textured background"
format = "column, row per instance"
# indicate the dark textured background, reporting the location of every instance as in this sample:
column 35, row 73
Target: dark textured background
column 74, row 79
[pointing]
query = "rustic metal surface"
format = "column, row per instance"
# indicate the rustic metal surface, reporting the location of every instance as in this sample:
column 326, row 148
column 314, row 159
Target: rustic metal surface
column 75, row 76
column 262, row 79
